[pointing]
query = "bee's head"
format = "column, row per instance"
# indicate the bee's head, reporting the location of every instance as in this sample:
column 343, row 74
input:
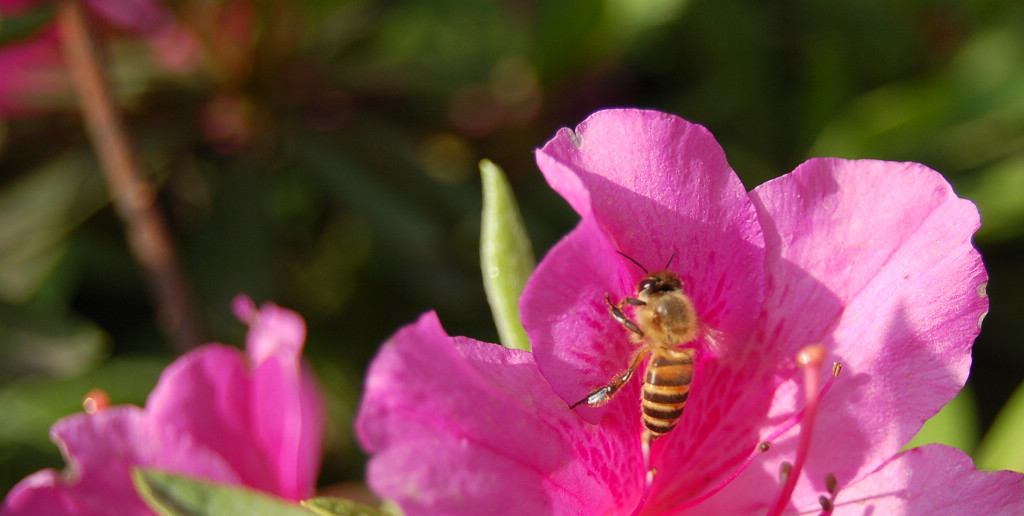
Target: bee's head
column 661, row 281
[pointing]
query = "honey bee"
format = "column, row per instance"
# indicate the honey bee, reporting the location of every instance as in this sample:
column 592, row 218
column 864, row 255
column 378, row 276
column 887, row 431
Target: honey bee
column 666, row 321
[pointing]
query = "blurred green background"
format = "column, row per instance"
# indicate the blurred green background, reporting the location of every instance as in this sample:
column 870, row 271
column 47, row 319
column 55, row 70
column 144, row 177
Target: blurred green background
column 323, row 154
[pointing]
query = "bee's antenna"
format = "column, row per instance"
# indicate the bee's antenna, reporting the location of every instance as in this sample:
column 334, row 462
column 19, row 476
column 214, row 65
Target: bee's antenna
column 630, row 258
column 670, row 258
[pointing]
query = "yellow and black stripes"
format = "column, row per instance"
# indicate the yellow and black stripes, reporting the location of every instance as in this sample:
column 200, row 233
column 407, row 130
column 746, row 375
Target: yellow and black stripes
column 666, row 388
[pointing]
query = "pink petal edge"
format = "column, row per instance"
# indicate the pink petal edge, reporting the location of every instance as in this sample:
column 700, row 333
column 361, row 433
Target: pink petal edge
column 932, row 479
column 100, row 451
column 907, row 280
column 485, row 421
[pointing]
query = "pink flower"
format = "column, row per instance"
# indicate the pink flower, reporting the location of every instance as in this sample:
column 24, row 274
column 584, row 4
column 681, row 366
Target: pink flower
column 33, row 68
column 34, row 77
column 870, row 260
column 254, row 419
column 136, row 16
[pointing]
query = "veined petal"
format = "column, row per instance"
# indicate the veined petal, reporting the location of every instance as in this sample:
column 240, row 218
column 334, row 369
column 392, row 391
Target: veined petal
column 654, row 187
column 458, row 426
column 577, row 344
column 659, row 185
column 893, row 288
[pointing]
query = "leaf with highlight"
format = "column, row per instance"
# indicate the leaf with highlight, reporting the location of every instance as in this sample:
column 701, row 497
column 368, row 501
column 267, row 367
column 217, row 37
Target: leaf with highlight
column 1000, row 449
column 506, row 255
column 329, row 506
column 177, row 495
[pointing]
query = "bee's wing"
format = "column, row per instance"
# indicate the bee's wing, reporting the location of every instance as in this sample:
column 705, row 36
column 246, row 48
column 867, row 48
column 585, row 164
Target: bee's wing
column 711, row 339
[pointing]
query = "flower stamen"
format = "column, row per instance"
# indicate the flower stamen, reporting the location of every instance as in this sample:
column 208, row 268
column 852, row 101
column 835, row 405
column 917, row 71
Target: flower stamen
column 809, row 359
column 784, row 469
column 645, row 447
column 766, row 445
column 828, row 503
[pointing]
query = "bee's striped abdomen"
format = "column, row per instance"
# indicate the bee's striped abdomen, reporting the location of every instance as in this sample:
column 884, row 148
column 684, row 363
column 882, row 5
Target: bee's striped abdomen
column 666, row 388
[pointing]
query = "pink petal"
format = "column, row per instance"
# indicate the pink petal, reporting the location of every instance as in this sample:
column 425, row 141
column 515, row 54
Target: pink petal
column 267, row 422
column 273, row 331
column 286, row 406
column 100, row 451
column 33, row 75
column 724, row 421
column 652, row 186
column 39, row 493
column 458, row 426
column 206, row 394
column 933, row 479
column 288, row 419
column 208, row 416
column 873, row 259
column 565, row 314
column 138, row 16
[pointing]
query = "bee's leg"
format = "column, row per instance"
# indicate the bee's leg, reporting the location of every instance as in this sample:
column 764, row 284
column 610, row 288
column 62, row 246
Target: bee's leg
column 602, row 395
column 620, row 316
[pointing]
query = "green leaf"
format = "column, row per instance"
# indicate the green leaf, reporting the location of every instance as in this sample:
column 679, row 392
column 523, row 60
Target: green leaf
column 38, row 211
column 30, row 405
column 1000, row 448
column 506, row 256
column 23, row 24
column 37, row 342
column 955, row 425
column 328, row 506
column 176, row 495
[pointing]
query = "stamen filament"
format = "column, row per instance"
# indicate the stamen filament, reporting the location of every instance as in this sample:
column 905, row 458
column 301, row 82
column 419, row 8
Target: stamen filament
column 809, row 359
column 765, row 445
column 645, row 446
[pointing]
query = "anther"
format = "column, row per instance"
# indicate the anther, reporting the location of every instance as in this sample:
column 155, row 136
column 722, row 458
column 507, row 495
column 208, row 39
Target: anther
column 784, row 470
column 826, row 504
column 95, row 401
column 831, row 484
column 764, row 446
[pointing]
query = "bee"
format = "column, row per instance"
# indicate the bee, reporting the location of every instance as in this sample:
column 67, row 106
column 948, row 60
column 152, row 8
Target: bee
column 666, row 322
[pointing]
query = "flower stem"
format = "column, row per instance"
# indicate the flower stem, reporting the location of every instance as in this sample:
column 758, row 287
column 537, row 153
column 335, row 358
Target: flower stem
column 133, row 197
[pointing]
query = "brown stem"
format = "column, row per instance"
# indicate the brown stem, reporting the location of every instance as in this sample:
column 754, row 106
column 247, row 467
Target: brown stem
column 133, row 197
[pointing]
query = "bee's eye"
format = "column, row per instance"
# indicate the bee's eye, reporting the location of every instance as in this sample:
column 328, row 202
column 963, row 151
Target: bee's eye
column 651, row 285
